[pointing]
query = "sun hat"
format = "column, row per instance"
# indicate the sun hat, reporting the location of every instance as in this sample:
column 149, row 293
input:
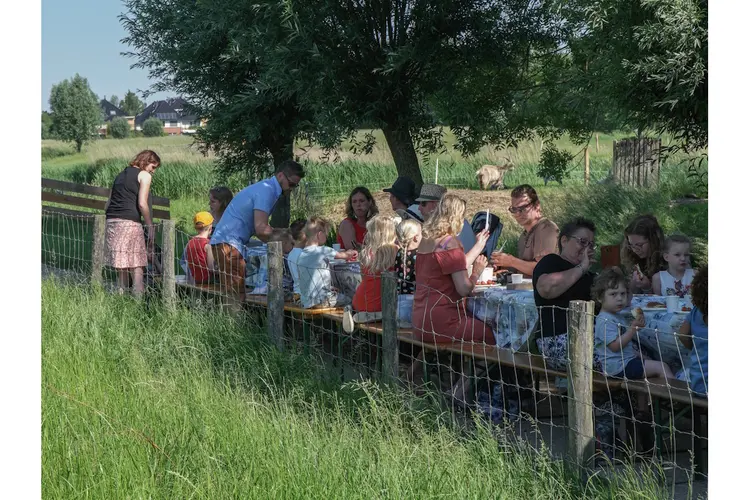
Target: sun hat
column 431, row 192
column 404, row 189
column 203, row 218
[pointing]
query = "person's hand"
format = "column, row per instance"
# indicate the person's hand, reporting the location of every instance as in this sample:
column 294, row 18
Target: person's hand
column 501, row 259
column 351, row 254
column 480, row 263
column 639, row 322
column 585, row 262
column 482, row 237
column 641, row 281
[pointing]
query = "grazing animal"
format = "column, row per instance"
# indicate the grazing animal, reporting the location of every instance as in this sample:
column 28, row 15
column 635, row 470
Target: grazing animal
column 491, row 176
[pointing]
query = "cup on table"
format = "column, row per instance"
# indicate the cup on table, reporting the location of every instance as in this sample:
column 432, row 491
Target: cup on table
column 337, row 247
column 488, row 274
column 673, row 303
column 516, row 279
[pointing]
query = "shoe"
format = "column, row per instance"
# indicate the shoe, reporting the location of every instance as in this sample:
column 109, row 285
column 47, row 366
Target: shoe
column 348, row 321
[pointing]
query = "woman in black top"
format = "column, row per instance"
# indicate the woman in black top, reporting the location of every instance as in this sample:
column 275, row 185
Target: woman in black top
column 129, row 202
column 558, row 279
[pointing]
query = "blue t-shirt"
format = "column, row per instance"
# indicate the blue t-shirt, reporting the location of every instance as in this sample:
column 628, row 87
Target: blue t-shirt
column 608, row 327
column 698, row 371
column 237, row 224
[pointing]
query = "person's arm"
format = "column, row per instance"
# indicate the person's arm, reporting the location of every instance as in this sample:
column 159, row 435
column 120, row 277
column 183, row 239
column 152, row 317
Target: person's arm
column 640, row 282
column 347, row 234
column 478, row 247
column 144, row 187
column 656, row 284
column 464, row 282
column 552, row 285
column 346, row 255
column 624, row 339
column 209, row 257
column 685, row 334
column 263, row 230
column 506, row 260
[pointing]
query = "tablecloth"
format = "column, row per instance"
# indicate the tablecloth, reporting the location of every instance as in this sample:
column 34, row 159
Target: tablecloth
column 511, row 314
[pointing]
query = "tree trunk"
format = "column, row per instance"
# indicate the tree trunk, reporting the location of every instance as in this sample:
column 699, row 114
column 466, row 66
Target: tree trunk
column 402, row 149
column 79, row 144
column 282, row 211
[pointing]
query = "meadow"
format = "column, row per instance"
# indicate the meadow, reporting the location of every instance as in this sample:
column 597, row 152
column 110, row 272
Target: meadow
column 141, row 403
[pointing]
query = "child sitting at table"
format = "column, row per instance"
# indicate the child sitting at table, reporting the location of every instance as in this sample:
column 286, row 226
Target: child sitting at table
column 297, row 230
column 409, row 234
column 378, row 254
column 613, row 345
column 694, row 334
column 678, row 277
column 316, row 290
column 200, row 259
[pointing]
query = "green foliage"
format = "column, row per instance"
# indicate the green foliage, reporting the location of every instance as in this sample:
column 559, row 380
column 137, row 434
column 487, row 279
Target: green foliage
column 119, row 128
column 114, row 100
column 75, row 111
column 131, row 104
column 153, row 127
column 48, row 130
column 554, row 163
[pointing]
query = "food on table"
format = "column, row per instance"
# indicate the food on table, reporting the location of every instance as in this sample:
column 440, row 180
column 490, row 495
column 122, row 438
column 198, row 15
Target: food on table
column 656, row 305
column 637, row 312
column 686, row 309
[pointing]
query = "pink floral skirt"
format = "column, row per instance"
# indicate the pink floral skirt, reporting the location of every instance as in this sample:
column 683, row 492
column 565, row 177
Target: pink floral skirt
column 125, row 244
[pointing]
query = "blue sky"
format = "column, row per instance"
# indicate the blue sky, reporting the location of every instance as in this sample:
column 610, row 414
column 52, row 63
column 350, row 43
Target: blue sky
column 83, row 36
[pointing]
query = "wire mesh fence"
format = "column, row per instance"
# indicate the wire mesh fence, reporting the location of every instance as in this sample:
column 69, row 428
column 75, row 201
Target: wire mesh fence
column 548, row 375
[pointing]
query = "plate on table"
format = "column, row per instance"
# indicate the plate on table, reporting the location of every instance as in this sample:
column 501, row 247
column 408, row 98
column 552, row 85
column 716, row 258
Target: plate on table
column 655, row 306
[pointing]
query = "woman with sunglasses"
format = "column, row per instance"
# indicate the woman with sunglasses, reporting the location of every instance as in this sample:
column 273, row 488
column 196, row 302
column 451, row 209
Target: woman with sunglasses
column 559, row 278
column 641, row 252
column 539, row 236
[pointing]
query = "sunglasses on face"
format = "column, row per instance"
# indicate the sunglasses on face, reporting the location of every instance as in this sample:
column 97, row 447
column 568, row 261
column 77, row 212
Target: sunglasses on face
column 584, row 242
column 518, row 210
column 291, row 184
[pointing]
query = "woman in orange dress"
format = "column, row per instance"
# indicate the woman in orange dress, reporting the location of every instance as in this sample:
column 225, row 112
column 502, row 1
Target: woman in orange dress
column 439, row 313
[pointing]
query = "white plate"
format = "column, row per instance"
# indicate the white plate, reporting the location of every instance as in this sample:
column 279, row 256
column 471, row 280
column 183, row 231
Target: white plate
column 654, row 309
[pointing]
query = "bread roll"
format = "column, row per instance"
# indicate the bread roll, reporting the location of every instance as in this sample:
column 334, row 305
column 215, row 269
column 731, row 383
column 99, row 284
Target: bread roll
column 637, row 312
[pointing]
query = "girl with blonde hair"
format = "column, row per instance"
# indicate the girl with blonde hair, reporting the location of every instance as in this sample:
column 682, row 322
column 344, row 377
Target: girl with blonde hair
column 378, row 254
column 409, row 233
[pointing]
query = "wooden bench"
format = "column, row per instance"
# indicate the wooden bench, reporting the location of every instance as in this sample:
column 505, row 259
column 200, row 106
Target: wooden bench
column 59, row 193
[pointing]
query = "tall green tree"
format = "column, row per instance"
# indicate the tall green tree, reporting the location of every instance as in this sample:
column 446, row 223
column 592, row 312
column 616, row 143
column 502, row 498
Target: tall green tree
column 131, row 104
column 114, row 100
column 75, row 111
column 47, row 128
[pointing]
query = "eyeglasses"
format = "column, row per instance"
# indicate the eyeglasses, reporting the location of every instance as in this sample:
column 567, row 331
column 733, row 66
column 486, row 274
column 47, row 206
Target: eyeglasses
column 637, row 245
column 518, row 210
column 584, row 242
column 291, row 184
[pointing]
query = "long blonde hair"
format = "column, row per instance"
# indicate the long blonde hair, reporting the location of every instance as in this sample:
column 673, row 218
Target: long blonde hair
column 448, row 218
column 406, row 231
column 378, row 253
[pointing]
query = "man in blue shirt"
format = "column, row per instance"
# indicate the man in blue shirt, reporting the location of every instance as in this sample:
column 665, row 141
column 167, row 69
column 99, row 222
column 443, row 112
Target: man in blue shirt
column 246, row 216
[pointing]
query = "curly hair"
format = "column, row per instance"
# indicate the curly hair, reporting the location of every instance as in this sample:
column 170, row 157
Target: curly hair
column 447, row 219
column 608, row 279
column 144, row 159
column 699, row 291
column 648, row 227
column 378, row 252
column 373, row 206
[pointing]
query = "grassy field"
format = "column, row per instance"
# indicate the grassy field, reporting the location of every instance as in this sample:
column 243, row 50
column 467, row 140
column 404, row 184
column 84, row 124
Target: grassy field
column 144, row 404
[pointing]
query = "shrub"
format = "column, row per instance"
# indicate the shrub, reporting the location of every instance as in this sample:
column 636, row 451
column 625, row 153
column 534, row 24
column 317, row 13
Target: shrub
column 554, row 164
column 119, row 128
column 153, row 127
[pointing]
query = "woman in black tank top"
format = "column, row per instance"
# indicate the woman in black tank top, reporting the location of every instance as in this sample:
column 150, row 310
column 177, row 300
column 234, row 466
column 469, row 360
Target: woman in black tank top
column 128, row 206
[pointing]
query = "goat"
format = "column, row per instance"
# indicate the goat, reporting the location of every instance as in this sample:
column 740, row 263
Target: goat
column 491, row 176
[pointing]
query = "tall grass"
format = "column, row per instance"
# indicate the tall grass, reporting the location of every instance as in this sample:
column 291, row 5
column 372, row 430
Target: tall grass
column 140, row 403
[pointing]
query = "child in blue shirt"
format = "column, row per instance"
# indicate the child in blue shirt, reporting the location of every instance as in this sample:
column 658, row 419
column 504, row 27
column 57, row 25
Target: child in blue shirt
column 614, row 332
column 694, row 334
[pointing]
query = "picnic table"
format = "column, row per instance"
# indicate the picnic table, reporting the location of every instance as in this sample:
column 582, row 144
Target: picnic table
column 512, row 315
column 658, row 339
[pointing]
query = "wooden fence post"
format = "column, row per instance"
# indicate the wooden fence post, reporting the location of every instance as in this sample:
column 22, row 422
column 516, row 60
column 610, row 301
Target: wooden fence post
column 97, row 253
column 389, row 298
column 275, row 296
column 168, row 285
column 581, row 438
column 586, row 165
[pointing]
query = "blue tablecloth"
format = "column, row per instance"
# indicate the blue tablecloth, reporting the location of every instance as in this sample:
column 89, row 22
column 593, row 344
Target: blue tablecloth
column 658, row 339
column 511, row 314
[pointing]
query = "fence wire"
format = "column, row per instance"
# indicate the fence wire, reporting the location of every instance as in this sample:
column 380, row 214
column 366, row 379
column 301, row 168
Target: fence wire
column 487, row 353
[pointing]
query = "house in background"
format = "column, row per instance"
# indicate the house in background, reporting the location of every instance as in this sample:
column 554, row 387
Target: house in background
column 110, row 111
column 173, row 113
